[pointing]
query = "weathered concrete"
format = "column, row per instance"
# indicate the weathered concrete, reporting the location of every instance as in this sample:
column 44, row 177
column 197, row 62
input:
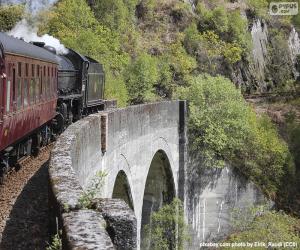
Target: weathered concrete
column 212, row 197
column 122, row 141
column 121, row 222
column 86, row 230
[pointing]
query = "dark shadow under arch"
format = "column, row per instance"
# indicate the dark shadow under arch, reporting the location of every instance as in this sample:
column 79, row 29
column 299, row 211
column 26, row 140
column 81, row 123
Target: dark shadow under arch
column 122, row 189
column 159, row 189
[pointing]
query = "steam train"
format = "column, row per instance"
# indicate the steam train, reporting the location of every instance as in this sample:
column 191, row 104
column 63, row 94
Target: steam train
column 41, row 93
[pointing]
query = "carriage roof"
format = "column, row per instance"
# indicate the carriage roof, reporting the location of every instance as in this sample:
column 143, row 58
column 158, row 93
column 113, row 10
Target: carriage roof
column 19, row 47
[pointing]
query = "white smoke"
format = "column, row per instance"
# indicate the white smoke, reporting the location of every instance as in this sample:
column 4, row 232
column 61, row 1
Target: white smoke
column 28, row 32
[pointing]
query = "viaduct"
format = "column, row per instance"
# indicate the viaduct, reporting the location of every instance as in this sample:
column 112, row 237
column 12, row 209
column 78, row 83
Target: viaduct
column 142, row 149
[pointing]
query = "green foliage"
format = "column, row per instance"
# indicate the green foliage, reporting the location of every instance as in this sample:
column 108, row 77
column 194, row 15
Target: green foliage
column 10, row 15
column 217, row 123
column 225, row 129
column 167, row 229
column 181, row 63
column 259, row 8
column 56, row 243
column 280, row 68
column 232, row 53
column 165, row 85
column 95, row 187
column 117, row 15
column 141, row 76
column 242, row 218
column 215, row 19
column 238, row 31
column 73, row 22
column 269, row 227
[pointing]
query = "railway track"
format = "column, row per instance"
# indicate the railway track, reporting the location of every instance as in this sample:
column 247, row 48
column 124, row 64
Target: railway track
column 273, row 96
column 17, row 203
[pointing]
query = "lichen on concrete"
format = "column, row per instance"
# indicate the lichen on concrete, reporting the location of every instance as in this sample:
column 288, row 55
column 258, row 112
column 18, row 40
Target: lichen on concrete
column 121, row 222
column 86, row 229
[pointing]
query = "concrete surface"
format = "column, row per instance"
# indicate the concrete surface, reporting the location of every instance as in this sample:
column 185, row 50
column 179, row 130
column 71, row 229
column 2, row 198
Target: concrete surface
column 121, row 140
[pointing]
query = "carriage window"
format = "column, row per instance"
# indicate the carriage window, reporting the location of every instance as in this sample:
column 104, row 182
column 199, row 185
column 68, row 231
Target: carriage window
column 19, row 69
column 19, row 99
column 25, row 93
column 44, row 70
column 32, row 70
column 32, row 91
column 38, row 70
column 26, row 69
column 8, row 97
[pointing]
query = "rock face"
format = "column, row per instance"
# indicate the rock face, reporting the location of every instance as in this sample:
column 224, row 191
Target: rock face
column 259, row 33
column 294, row 46
column 213, row 195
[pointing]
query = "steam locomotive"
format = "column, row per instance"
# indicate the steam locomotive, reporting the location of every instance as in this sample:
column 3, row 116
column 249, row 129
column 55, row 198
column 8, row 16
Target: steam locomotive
column 41, row 93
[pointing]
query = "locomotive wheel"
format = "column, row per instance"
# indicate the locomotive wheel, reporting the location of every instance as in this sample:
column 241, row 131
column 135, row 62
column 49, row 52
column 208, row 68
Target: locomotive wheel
column 35, row 151
column 17, row 167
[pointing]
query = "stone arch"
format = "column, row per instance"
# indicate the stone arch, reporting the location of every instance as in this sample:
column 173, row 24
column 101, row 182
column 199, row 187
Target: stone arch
column 122, row 189
column 159, row 189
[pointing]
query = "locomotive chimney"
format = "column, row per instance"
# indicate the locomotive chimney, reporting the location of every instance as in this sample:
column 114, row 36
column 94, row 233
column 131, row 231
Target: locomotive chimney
column 39, row 44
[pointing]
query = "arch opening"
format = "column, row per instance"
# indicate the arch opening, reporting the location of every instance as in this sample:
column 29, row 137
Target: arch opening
column 122, row 189
column 159, row 191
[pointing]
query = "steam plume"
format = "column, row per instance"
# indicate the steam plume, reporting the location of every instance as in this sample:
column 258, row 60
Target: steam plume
column 27, row 31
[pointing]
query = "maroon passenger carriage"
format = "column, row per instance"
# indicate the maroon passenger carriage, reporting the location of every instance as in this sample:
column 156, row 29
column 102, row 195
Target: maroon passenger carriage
column 28, row 99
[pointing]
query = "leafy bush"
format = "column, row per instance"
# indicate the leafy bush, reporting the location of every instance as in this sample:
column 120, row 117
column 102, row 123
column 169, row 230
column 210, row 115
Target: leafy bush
column 259, row 7
column 117, row 15
column 215, row 19
column 270, row 227
column 56, row 243
column 95, row 187
column 141, row 76
column 167, row 228
column 223, row 128
column 280, row 67
column 10, row 15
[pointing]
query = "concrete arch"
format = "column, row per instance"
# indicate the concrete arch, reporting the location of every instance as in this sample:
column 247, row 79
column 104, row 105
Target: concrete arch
column 159, row 189
column 122, row 189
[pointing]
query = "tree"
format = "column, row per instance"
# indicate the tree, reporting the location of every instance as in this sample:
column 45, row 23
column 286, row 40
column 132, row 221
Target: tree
column 167, row 228
column 141, row 76
column 10, row 15
column 224, row 129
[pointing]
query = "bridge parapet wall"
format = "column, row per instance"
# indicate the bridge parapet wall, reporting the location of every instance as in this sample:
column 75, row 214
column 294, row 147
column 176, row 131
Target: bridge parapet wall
column 111, row 141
